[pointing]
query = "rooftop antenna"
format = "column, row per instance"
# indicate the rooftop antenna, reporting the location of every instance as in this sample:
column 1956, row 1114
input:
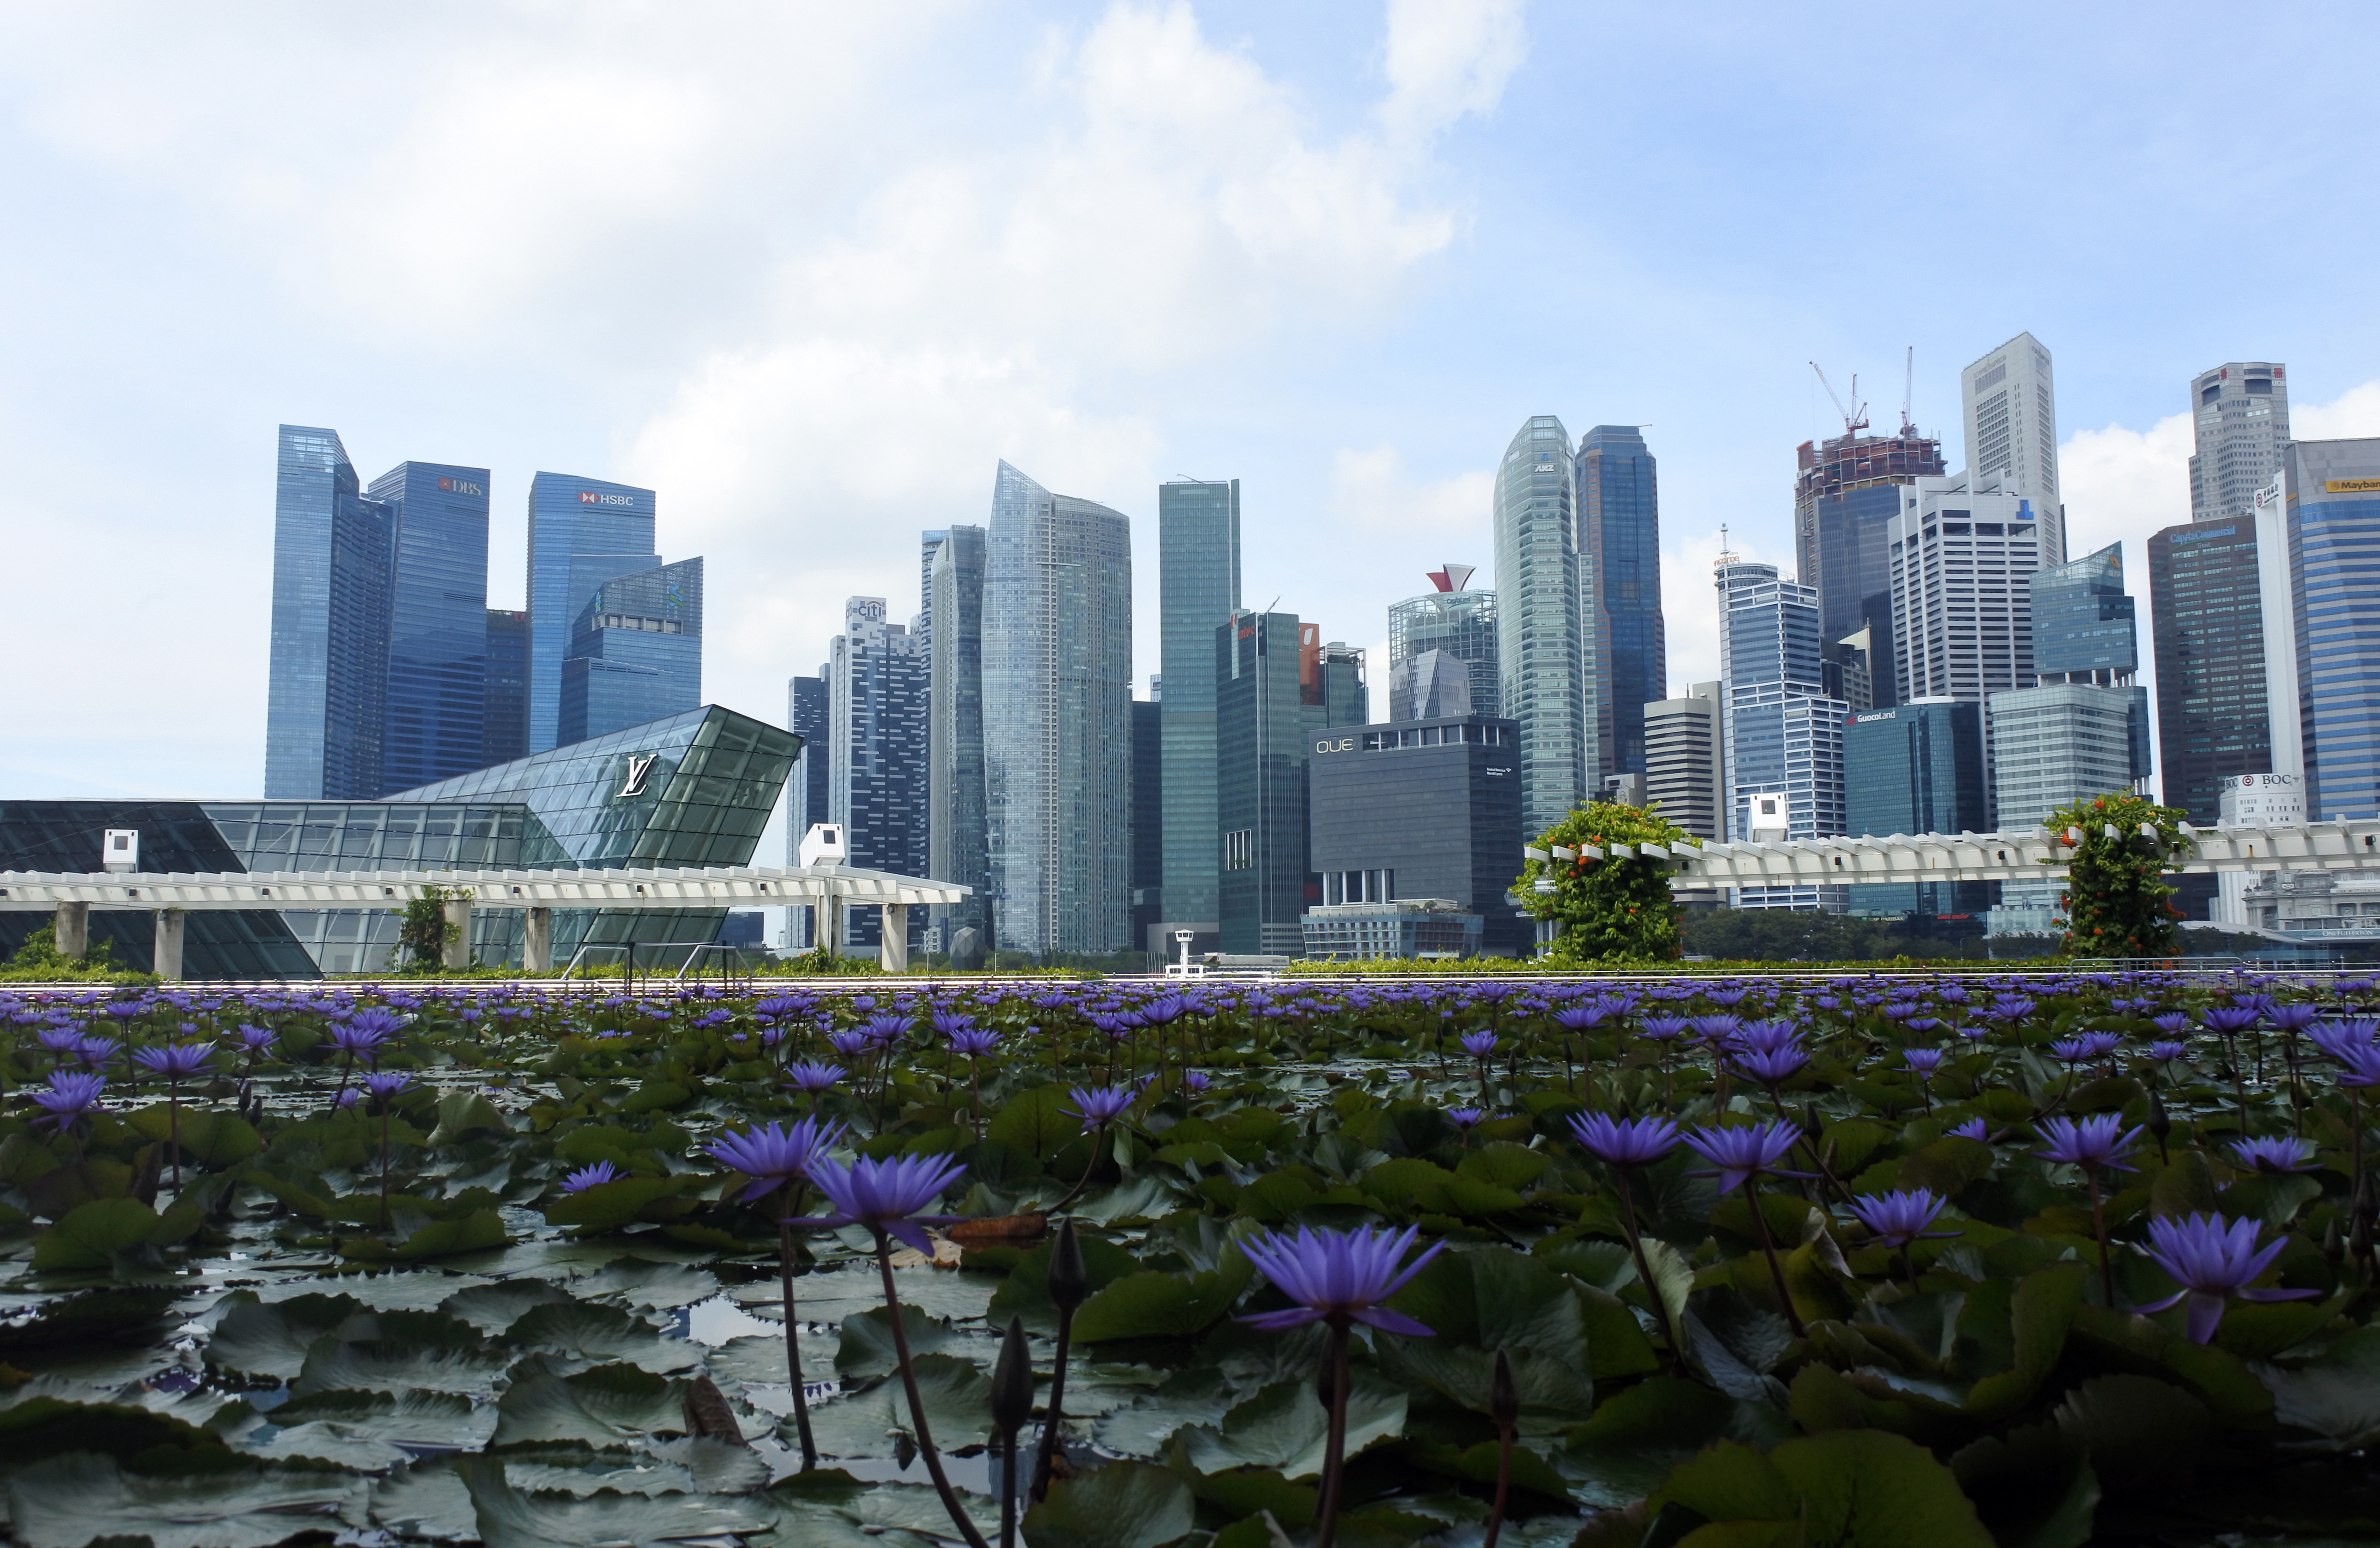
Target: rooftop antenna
column 1726, row 555
column 1854, row 421
column 1908, row 384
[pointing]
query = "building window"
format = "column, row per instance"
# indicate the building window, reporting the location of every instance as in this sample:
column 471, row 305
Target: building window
column 1240, row 849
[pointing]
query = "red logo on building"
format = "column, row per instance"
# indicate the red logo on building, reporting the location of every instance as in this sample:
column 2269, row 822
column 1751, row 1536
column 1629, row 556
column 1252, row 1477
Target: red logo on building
column 587, row 497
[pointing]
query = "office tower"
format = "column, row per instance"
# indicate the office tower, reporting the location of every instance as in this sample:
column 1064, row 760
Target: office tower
column 1781, row 737
column 506, row 735
column 1847, row 493
column 1057, row 718
column 1262, row 729
column 1198, row 587
column 1846, row 669
column 2009, row 406
column 930, row 543
column 1963, row 551
column 2333, row 517
column 809, row 715
column 954, row 795
column 1457, row 624
column 1916, row 768
column 2214, row 712
column 435, row 713
column 1408, row 811
column 876, row 748
column 581, row 533
column 334, row 554
column 1620, row 525
column 635, row 653
column 2239, row 416
column 1431, row 686
column 1544, row 599
column 1684, row 755
column 1149, row 819
column 1330, row 681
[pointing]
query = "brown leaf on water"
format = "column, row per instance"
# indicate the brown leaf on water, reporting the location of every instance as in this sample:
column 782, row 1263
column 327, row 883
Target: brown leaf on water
column 706, row 1412
column 1007, row 1230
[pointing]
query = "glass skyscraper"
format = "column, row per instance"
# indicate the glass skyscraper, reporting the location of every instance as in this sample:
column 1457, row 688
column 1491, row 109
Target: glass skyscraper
column 1057, row 719
column 2334, row 523
column 1620, row 524
column 436, row 709
column 1199, row 588
column 334, row 555
column 1782, row 736
column 807, row 703
column 1916, row 768
column 876, row 748
column 1845, row 496
column 635, row 653
column 581, row 533
column 507, row 722
column 1262, row 727
column 1544, row 598
column 1461, row 625
column 954, row 794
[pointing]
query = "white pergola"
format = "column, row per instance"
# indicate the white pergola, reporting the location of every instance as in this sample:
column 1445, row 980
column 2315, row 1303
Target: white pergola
column 2034, row 854
column 832, row 888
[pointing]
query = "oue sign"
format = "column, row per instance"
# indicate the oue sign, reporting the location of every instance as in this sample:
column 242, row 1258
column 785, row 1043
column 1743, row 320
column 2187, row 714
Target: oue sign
column 1344, row 743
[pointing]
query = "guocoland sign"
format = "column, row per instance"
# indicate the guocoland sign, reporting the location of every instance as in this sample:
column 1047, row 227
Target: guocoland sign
column 2045, row 1259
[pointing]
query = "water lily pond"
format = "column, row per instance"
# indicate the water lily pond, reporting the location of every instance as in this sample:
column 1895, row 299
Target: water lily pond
column 2028, row 1260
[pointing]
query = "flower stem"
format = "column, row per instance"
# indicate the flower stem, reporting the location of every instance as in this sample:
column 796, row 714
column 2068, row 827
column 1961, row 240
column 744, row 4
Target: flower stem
column 793, row 1335
column 1047, row 1456
column 1643, row 1266
column 1760, row 1219
column 1334, row 1448
column 2099, row 1227
column 917, row 1404
column 1503, row 1484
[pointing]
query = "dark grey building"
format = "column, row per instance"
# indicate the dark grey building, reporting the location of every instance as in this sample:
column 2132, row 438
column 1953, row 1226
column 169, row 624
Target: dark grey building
column 1916, row 768
column 1261, row 730
column 952, row 622
column 876, row 757
column 1147, row 816
column 1845, row 495
column 1418, row 810
column 808, row 702
column 1199, row 588
column 507, row 712
column 2206, row 626
column 1619, row 523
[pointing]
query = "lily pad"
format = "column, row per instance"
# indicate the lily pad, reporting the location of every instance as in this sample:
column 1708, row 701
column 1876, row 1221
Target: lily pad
column 68, row 1501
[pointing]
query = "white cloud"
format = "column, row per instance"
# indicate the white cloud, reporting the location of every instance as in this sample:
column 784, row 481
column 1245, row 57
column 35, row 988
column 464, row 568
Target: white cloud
column 2123, row 484
column 2353, row 414
column 1689, row 608
column 1371, row 493
column 1445, row 58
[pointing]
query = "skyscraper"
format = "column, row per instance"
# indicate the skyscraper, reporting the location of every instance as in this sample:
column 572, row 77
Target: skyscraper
column 954, row 794
column 1330, row 681
column 1684, row 755
column 1543, row 600
column 2214, row 714
column 1199, row 588
column 1619, row 523
column 1963, row 551
column 1431, row 686
column 876, row 748
column 635, row 653
column 1261, row 735
column 2334, row 519
column 333, row 556
column 1848, row 491
column 581, row 533
column 808, row 713
column 507, row 717
column 1458, row 625
column 2008, row 402
column 436, row 710
column 1057, row 718
column 1782, row 736
column 2239, row 418
column 1148, row 817
column 1916, row 768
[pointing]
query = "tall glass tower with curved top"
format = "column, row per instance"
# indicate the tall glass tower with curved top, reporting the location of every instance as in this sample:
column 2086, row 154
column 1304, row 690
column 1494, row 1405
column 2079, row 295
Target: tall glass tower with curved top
column 1543, row 598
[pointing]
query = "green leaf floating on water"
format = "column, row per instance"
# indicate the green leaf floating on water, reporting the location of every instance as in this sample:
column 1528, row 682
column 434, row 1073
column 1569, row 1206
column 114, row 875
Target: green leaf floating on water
column 91, row 1235
column 69, row 1501
column 1850, row 1489
column 2336, row 1395
column 511, row 1517
column 602, row 1407
column 1285, row 1427
column 1124, row 1505
column 258, row 1338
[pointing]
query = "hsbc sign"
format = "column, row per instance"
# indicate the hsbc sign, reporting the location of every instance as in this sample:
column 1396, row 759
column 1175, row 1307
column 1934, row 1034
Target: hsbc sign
column 589, row 497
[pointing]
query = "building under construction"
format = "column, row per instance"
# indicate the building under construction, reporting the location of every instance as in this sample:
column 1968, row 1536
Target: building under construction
column 1847, row 492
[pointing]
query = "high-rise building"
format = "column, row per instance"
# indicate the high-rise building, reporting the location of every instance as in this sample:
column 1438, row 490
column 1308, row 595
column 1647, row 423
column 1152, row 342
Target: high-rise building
column 954, row 794
column 1406, row 810
column 876, row 748
column 635, row 654
column 1620, row 527
column 581, row 533
column 1262, row 730
column 506, row 737
column 334, row 558
column 1783, row 737
column 436, row 710
column 1431, row 686
column 1544, row 598
column 1848, row 491
column 1148, row 817
column 1458, row 625
column 1916, row 768
column 2334, row 519
column 930, row 543
column 2008, row 402
column 1962, row 551
column 1057, row 718
column 2214, row 712
column 1198, row 587
column 1684, row 755
column 809, row 715
column 1330, row 681
column 2239, row 416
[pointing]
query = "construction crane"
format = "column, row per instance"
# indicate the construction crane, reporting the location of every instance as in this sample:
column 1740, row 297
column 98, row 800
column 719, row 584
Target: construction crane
column 1854, row 421
column 1908, row 386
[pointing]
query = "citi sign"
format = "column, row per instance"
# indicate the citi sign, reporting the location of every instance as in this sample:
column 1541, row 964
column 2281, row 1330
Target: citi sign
column 589, row 497
column 459, row 486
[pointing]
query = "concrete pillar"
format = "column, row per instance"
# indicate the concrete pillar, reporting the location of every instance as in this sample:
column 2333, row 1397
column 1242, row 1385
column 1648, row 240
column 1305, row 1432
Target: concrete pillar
column 537, row 942
column 892, row 955
column 829, row 917
column 165, row 956
column 458, row 934
column 73, row 931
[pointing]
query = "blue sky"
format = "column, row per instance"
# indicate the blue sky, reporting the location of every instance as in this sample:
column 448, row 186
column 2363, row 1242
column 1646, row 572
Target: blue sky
column 810, row 270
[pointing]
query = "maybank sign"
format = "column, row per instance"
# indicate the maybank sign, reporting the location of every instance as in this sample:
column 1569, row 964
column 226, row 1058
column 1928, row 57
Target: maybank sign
column 2350, row 486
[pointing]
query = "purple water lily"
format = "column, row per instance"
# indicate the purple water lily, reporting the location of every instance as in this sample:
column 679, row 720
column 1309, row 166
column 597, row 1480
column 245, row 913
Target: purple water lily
column 1101, row 1104
column 594, row 1176
column 386, row 1084
column 71, row 1094
column 1465, row 1118
column 1922, row 1062
column 885, row 1196
column 1479, row 1046
column 974, row 1042
column 1195, row 1080
column 814, row 1078
column 1624, row 1141
column 2275, row 1153
column 773, row 1154
column 1738, row 1156
column 1339, row 1277
column 2092, row 1143
column 1900, row 1217
column 2211, row 1259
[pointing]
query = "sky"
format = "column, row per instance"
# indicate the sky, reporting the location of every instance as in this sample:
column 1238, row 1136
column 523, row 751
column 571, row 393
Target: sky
column 810, row 270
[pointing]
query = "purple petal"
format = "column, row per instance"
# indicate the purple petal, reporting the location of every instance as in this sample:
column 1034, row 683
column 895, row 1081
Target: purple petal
column 2161, row 1305
column 912, row 1233
column 2205, row 1315
column 1395, row 1321
column 819, row 1222
column 1275, row 1322
column 2278, row 1295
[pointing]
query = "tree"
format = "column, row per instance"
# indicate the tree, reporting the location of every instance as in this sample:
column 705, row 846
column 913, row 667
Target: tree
column 422, row 937
column 1615, row 909
column 2117, row 902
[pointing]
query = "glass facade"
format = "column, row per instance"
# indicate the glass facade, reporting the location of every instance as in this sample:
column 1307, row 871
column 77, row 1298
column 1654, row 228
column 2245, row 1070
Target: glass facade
column 2082, row 626
column 635, row 653
column 334, row 554
column 1198, row 587
column 2239, row 421
column 2057, row 743
column 1917, row 768
column 2206, row 622
column 436, row 709
column 1845, row 496
column 807, row 708
column 1619, row 523
column 1458, row 625
column 581, row 533
column 2334, row 513
column 506, row 735
column 1780, row 734
column 1057, row 719
column 1545, row 595
column 1148, row 818
column 875, row 751
column 954, row 794
column 1261, row 732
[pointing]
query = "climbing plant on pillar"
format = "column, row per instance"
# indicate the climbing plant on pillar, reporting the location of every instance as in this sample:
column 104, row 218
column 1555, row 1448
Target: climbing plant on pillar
column 1611, row 907
column 2116, row 849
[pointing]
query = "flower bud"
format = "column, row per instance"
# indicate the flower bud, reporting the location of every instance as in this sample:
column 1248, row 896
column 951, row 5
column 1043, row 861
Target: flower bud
column 2160, row 1123
column 1503, row 1395
column 1069, row 1280
column 1012, row 1382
